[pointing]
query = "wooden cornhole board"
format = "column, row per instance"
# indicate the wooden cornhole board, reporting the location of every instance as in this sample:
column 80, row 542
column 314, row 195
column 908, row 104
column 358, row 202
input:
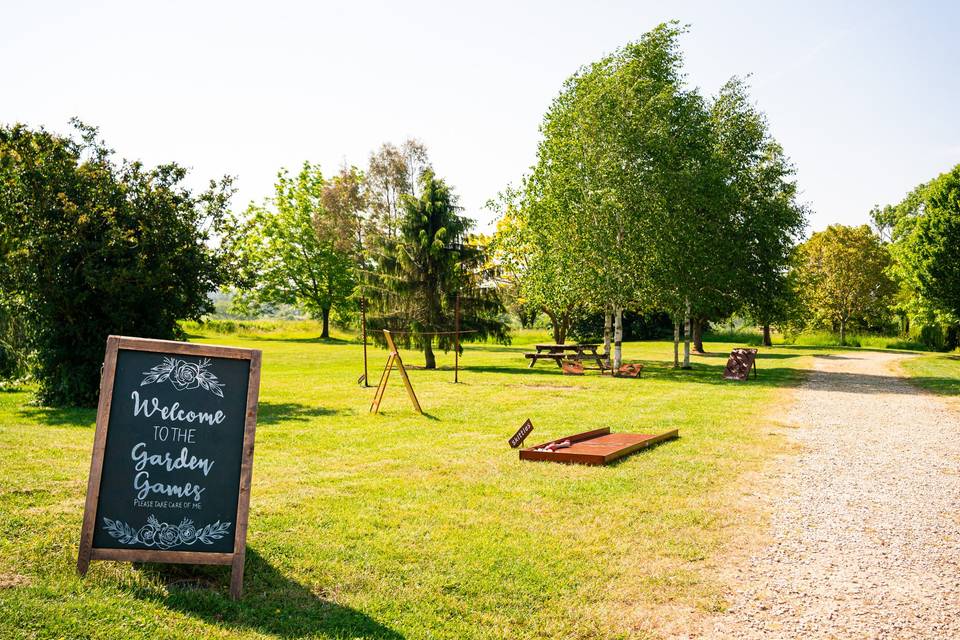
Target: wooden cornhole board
column 596, row 447
column 630, row 370
column 572, row 368
column 739, row 364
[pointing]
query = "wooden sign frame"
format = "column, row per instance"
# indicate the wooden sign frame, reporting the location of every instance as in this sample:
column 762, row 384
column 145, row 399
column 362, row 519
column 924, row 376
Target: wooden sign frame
column 87, row 551
column 596, row 447
column 393, row 358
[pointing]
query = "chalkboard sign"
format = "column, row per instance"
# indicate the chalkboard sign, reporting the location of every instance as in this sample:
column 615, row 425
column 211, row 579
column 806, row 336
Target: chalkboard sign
column 739, row 364
column 173, row 455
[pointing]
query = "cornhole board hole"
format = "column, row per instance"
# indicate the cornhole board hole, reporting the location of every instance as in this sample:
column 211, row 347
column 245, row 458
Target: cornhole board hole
column 572, row 368
column 739, row 364
column 630, row 370
column 597, row 447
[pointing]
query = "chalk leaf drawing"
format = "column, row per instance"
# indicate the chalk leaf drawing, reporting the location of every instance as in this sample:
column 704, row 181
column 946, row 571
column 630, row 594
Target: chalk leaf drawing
column 184, row 375
column 163, row 535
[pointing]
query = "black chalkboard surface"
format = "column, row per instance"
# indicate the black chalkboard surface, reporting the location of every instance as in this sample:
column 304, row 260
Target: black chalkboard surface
column 173, row 454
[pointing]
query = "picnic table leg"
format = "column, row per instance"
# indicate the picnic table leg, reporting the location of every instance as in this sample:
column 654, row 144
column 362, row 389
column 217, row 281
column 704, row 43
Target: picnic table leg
column 533, row 361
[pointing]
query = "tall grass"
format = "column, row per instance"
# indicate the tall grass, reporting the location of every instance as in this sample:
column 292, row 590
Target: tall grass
column 866, row 341
column 277, row 328
column 741, row 336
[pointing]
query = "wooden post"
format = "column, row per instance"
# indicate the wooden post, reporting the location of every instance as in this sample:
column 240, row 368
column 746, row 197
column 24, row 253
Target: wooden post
column 382, row 385
column 394, row 357
column 99, row 447
column 363, row 323
column 456, row 347
column 246, row 475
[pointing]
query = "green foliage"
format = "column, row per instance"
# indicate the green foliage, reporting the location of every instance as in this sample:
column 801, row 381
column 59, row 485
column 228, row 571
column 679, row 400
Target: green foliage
column 645, row 195
column 423, row 270
column 814, row 338
column 14, row 340
column 541, row 276
column 588, row 326
column 297, row 251
column 926, row 246
column 761, row 195
column 90, row 247
column 393, row 173
column 843, row 278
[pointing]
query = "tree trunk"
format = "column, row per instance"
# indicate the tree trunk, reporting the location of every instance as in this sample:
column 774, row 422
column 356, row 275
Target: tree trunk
column 698, row 335
column 767, row 342
column 554, row 326
column 430, row 360
column 676, row 344
column 607, row 322
column 686, row 337
column 326, row 323
column 843, row 332
column 617, row 338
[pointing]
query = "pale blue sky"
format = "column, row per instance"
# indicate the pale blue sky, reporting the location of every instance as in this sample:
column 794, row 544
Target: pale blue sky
column 863, row 96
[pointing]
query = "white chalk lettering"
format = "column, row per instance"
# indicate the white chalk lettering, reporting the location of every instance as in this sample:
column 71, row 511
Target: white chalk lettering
column 142, row 458
column 149, row 406
column 141, row 482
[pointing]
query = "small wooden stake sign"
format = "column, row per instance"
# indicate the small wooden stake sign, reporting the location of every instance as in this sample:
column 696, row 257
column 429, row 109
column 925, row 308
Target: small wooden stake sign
column 172, row 455
column 517, row 439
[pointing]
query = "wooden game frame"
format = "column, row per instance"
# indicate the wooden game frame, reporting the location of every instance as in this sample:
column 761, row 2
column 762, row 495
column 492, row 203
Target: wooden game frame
column 750, row 355
column 637, row 442
column 393, row 358
column 236, row 559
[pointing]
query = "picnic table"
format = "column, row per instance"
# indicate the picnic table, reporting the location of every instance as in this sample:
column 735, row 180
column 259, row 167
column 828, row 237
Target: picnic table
column 560, row 352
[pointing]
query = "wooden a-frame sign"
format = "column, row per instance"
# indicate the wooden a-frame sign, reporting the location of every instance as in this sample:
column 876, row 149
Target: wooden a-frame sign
column 172, row 455
column 393, row 358
column 739, row 364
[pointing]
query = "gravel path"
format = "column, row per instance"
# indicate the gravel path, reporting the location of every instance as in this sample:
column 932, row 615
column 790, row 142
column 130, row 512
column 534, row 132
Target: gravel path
column 865, row 540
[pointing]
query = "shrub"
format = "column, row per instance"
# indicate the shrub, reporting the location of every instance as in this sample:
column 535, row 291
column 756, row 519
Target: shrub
column 91, row 248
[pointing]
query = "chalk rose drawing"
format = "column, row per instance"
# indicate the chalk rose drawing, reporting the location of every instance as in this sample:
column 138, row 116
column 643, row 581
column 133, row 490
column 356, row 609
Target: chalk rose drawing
column 163, row 535
column 184, row 375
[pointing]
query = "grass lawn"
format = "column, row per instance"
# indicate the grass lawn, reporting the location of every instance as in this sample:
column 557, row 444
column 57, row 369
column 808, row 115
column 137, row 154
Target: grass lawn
column 936, row 372
column 407, row 526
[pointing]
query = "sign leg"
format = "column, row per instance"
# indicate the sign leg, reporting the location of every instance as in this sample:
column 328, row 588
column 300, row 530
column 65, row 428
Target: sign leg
column 406, row 382
column 384, row 377
column 236, row 573
column 83, row 562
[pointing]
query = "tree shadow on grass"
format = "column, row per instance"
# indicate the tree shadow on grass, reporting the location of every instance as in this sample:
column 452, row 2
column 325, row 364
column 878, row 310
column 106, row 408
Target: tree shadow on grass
column 517, row 370
column 277, row 412
column 59, row 417
column 760, row 356
column 266, row 337
column 937, row 385
column 313, row 340
column 272, row 603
